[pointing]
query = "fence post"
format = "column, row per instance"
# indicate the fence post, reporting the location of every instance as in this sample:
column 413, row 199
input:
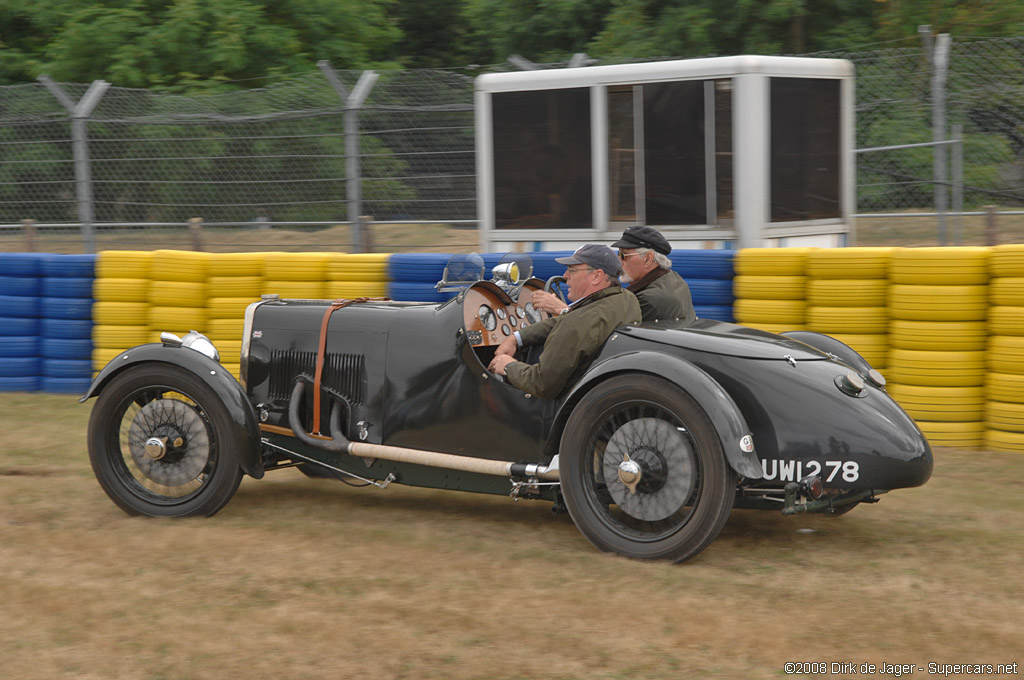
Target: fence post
column 80, row 113
column 29, row 227
column 958, row 183
column 195, row 232
column 353, row 172
column 365, row 244
column 991, row 235
column 940, row 61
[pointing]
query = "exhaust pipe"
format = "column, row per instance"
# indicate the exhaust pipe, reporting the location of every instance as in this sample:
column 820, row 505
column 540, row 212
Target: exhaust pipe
column 337, row 443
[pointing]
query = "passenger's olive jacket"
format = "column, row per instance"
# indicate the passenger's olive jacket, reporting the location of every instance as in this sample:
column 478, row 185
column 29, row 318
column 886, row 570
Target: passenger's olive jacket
column 571, row 341
column 664, row 295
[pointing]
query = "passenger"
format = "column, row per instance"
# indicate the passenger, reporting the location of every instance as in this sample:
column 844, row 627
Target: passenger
column 662, row 293
column 572, row 338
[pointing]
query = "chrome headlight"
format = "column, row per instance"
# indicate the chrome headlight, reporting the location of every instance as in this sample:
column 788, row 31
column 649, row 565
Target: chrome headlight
column 194, row 340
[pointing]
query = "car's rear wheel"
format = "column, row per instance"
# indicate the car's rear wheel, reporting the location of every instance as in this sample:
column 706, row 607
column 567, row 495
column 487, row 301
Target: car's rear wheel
column 161, row 443
column 643, row 472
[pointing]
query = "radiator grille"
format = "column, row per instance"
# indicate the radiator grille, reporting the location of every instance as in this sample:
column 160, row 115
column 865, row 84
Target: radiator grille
column 343, row 373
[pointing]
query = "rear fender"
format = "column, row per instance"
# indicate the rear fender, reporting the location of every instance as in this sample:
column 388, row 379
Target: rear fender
column 218, row 378
column 717, row 403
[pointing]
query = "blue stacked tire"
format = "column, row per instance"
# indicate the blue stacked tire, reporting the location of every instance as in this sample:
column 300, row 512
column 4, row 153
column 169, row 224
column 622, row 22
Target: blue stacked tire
column 19, row 286
column 709, row 275
column 417, row 267
column 14, row 325
column 714, row 312
column 20, row 264
column 703, row 264
column 405, row 291
column 711, row 292
column 65, row 308
column 20, row 365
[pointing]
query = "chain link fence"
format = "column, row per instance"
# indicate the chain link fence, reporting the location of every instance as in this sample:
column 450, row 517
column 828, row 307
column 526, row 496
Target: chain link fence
column 83, row 167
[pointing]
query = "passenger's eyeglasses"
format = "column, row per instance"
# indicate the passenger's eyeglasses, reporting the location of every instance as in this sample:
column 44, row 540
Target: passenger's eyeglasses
column 623, row 256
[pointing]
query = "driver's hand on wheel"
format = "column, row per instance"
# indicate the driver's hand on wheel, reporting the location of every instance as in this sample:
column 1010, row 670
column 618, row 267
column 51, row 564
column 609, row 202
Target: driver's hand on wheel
column 548, row 302
column 499, row 362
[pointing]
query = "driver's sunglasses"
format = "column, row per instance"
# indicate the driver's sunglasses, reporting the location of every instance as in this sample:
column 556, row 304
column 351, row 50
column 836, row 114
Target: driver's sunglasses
column 569, row 270
column 623, row 256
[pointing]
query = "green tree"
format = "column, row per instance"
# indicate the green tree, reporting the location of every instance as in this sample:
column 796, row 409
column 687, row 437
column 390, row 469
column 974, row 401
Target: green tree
column 540, row 30
column 961, row 18
column 179, row 43
column 689, row 28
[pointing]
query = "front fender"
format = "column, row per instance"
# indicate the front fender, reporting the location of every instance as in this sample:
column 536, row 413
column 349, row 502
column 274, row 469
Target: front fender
column 230, row 392
column 719, row 406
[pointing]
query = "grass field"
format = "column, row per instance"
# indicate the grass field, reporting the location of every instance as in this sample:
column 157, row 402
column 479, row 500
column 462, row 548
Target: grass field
column 394, row 238
column 300, row 578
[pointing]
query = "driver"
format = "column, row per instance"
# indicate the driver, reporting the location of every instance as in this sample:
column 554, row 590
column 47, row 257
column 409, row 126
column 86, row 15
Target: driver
column 663, row 294
column 573, row 338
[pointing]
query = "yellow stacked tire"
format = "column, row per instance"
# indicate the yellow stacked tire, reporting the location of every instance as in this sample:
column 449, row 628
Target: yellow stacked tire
column 177, row 291
column 849, row 263
column 971, row 336
column 235, row 282
column 295, row 275
column 770, row 288
column 1004, row 412
column 847, row 298
column 1004, row 384
column 940, row 266
column 120, row 291
column 357, row 275
column 938, row 359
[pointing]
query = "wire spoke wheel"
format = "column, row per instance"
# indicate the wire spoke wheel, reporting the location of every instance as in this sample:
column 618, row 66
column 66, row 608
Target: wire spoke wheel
column 644, row 474
column 161, row 443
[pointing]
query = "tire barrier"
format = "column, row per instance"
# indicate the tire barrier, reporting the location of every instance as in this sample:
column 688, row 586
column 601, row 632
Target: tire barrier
column 1004, row 383
column 45, row 321
column 940, row 266
column 295, row 275
column 847, row 297
column 951, row 336
column 177, row 292
column 771, row 288
column 710, row 276
column 120, row 313
column 938, row 304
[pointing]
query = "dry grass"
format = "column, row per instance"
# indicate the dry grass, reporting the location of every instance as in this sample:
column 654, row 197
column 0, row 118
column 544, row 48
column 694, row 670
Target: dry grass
column 301, row 578
column 385, row 238
column 910, row 231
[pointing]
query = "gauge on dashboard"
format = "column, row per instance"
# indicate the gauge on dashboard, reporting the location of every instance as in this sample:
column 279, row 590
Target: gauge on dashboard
column 520, row 312
column 487, row 318
column 500, row 311
column 505, row 330
column 512, row 319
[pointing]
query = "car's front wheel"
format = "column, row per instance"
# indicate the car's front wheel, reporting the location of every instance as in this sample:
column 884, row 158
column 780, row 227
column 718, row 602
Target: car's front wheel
column 643, row 472
column 161, row 443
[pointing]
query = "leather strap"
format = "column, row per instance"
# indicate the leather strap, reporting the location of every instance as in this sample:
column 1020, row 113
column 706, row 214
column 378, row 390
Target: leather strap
column 321, row 353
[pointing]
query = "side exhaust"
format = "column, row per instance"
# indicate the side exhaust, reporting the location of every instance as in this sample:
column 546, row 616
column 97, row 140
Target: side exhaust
column 337, row 443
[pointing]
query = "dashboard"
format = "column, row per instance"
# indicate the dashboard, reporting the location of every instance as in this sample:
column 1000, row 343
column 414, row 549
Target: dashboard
column 489, row 320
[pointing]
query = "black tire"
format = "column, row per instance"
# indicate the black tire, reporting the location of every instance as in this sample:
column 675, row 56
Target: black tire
column 199, row 470
column 686, row 489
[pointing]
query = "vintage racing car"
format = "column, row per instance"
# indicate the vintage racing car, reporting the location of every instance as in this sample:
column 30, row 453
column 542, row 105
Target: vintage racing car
column 669, row 428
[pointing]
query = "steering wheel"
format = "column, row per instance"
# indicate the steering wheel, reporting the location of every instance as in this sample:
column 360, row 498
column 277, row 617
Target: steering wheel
column 551, row 286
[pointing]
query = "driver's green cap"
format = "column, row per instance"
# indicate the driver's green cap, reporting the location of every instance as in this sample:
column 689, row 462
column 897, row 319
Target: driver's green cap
column 596, row 256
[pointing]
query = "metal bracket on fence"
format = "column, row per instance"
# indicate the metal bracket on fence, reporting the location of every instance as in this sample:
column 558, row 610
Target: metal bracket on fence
column 80, row 113
column 354, row 101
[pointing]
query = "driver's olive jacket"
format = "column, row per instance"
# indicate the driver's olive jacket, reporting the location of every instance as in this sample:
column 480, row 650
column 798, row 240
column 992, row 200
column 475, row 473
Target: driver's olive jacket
column 663, row 294
column 571, row 341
